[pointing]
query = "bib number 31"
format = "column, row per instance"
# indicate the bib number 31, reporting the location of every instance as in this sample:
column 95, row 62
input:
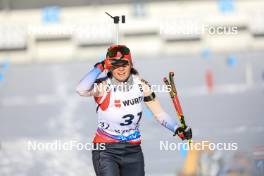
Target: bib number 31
column 129, row 119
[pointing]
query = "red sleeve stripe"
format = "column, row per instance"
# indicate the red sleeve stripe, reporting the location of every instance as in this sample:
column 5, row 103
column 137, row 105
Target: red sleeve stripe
column 104, row 105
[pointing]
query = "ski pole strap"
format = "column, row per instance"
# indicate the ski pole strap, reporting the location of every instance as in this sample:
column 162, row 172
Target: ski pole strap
column 183, row 124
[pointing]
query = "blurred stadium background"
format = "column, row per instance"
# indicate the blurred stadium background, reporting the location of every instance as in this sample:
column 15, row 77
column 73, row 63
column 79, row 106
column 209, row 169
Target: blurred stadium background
column 215, row 48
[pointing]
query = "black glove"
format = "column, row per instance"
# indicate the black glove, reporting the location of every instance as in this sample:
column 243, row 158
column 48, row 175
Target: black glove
column 104, row 65
column 110, row 63
column 184, row 133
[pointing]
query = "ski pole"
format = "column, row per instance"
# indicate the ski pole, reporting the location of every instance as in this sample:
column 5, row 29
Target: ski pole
column 116, row 22
column 176, row 102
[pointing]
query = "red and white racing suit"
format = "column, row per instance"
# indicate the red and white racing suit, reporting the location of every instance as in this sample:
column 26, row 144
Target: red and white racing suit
column 119, row 114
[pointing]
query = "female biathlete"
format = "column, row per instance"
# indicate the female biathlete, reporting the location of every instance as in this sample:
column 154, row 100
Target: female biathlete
column 120, row 96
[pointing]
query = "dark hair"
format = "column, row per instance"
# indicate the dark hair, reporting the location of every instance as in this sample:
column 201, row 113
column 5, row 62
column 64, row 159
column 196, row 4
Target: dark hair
column 133, row 71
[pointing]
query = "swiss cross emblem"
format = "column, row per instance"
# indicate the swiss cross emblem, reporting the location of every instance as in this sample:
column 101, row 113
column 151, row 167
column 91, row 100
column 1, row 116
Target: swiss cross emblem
column 117, row 103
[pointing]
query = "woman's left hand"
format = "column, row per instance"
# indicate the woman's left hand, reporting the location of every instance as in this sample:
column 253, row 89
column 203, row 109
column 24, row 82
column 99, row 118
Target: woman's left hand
column 184, row 134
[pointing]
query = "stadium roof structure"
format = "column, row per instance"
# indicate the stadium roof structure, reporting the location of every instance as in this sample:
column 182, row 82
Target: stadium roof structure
column 32, row 4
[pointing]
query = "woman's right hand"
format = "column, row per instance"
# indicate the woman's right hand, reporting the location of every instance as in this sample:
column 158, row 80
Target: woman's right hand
column 106, row 64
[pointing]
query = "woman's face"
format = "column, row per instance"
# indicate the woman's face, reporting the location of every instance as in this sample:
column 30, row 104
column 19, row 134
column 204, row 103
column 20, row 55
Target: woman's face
column 122, row 73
